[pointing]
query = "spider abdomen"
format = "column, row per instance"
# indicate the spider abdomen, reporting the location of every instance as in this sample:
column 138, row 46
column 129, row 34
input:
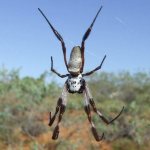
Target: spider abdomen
column 75, row 61
column 75, row 84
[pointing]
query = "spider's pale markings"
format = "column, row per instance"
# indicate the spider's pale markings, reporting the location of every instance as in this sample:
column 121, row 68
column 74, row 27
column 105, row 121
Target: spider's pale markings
column 75, row 82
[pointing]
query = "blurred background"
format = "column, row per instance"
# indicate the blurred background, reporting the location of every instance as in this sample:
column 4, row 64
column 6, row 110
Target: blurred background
column 29, row 91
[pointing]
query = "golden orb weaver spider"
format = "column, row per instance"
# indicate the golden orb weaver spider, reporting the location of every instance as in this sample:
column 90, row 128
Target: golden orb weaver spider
column 75, row 82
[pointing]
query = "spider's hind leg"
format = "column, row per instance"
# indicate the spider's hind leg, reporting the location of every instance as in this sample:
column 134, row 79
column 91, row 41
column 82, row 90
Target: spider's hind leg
column 88, row 112
column 56, row 130
column 61, row 106
column 101, row 115
column 92, row 103
column 52, row 119
column 94, row 131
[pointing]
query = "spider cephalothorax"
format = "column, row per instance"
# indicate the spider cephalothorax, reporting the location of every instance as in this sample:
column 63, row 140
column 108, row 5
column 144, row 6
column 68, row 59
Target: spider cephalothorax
column 75, row 82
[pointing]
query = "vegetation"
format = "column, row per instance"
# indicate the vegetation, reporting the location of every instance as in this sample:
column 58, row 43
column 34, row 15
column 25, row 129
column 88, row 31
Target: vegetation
column 25, row 104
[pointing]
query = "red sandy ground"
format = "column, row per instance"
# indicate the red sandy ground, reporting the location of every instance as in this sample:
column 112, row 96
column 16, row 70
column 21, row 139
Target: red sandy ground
column 80, row 132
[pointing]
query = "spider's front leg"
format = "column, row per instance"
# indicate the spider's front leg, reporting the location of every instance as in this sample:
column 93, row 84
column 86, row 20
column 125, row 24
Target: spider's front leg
column 61, row 106
column 59, row 37
column 92, row 103
column 53, row 70
column 97, row 68
column 88, row 112
column 85, row 36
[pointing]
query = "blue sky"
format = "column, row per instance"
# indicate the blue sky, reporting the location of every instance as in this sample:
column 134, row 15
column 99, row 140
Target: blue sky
column 122, row 32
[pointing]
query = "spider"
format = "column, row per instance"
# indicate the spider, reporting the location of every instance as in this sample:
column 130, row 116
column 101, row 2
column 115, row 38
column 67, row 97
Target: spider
column 75, row 82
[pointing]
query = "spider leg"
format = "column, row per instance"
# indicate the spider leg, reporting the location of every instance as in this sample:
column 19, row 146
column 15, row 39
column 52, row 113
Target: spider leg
column 56, row 130
column 88, row 112
column 59, row 37
column 52, row 119
column 61, row 106
column 97, row 68
column 85, row 36
column 101, row 115
column 53, row 70
column 92, row 103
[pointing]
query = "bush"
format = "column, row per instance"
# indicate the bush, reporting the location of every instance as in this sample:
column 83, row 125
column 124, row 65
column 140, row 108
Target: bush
column 24, row 100
column 32, row 127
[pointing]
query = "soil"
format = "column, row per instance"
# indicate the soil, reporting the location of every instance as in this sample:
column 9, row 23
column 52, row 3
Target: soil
column 78, row 135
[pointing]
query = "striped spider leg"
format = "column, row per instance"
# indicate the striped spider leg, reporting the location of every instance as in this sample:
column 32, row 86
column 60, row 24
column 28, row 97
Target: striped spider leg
column 60, row 109
column 90, row 102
